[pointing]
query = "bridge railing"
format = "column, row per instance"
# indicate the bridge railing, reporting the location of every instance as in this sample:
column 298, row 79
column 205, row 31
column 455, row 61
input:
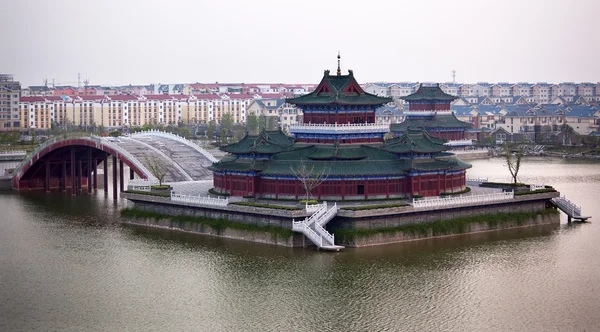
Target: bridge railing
column 120, row 150
column 534, row 187
column 179, row 139
column 459, row 200
column 13, row 152
column 199, row 200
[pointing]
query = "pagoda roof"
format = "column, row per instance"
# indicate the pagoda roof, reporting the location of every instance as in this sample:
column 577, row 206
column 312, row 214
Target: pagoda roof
column 417, row 141
column 424, row 122
column 338, row 90
column 266, row 142
column 429, row 93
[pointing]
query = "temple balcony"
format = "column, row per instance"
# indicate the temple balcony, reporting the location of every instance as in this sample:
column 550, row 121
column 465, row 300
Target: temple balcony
column 459, row 142
column 327, row 128
column 426, row 113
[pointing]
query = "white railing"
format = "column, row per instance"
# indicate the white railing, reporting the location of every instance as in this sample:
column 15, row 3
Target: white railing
column 459, row 142
column 328, row 215
column 139, row 188
column 325, row 235
column 143, row 182
column 121, row 151
column 534, row 187
column 310, row 208
column 426, row 113
column 567, row 206
column 13, row 152
column 474, row 151
column 313, row 228
column 199, row 200
column 339, row 128
column 178, row 139
column 460, row 200
column 300, row 226
column 477, row 180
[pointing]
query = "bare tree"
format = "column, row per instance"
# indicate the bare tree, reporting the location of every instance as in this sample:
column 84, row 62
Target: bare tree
column 309, row 175
column 157, row 167
column 513, row 161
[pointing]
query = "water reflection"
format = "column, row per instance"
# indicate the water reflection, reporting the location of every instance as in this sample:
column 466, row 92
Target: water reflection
column 68, row 264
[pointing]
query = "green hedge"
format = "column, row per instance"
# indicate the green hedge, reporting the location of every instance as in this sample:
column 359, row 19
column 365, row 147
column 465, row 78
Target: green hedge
column 216, row 224
column 436, row 228
column 214, row 192
column 466, row 190
column 148, row 193
column 373, row 207
column 160, row 187
column 539, row 191
column 267, row 206
column 309, row 202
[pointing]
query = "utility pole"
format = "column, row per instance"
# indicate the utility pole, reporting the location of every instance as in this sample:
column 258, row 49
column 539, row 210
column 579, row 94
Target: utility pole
column 78, row 80
column 453, row 76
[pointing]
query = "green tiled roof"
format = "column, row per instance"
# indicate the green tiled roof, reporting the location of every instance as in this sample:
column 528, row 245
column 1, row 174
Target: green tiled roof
column 266, row 142
column 425, row 122
column 417, row 141
column 429, row 93
column 341, row 90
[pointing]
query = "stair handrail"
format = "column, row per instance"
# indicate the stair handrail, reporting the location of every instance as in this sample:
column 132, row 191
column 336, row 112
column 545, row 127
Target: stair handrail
column 324, row 234
column 312, row 235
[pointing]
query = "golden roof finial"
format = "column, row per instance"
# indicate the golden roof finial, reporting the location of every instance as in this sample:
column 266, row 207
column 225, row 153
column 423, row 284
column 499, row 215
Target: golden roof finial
column 339, row 71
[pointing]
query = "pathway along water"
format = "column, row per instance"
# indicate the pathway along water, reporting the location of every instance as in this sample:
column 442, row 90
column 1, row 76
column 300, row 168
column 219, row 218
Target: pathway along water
column 67, row 264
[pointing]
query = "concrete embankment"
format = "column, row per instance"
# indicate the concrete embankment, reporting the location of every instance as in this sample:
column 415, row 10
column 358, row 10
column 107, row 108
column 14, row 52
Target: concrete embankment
column 351, row 228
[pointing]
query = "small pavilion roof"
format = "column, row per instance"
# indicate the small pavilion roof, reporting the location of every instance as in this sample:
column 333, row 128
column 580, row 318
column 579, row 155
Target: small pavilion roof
column 266, row 142
column 435, row 121
column 341, row 90
column 429, row 93
column 418, row 141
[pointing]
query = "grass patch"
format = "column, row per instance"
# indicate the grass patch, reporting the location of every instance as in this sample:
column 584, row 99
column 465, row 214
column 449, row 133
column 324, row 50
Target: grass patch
column 309, row 202
column 436, row 228
column 267, row 206
column 216, row 224
column 373, row 207
column 214, row 192
column 148, row 193
column 539, row 191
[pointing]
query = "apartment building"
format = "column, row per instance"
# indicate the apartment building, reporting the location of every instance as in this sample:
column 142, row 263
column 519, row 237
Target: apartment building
column 10, row 91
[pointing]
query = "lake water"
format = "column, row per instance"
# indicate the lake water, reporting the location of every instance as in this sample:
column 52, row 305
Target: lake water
column 67, row 264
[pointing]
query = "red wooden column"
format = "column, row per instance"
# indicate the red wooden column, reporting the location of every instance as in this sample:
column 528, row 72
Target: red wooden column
column 89, row 171
column 105, row 175
column 79, row 174
column 95, row 171
column 121, row 177
column 114, row 160
column 63, row 178
column 47, row 177
column 73, row 192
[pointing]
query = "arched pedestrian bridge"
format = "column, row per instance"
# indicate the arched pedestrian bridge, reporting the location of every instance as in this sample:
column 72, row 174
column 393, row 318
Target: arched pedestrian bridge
column 72, row 162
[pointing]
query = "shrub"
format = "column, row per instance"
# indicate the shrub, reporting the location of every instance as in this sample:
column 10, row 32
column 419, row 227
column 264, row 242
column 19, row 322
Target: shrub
column 267, row 206
column 373, row 207
column 160, row 187
column 309, row 202
column 216, row 224
column 149, row 193
column 216, row 193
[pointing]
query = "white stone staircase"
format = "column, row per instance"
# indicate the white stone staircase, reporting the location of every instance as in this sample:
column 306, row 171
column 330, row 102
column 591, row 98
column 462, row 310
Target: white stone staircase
column 313, row 226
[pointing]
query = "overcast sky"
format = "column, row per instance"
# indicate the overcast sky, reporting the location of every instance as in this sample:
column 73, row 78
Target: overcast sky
column 176, row 41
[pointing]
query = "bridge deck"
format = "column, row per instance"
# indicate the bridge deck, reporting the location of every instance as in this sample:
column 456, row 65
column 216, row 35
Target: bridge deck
column 569, row 208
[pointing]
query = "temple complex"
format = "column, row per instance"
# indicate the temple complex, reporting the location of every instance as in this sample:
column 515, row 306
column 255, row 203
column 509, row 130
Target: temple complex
column 429, row 109
column 339, row 153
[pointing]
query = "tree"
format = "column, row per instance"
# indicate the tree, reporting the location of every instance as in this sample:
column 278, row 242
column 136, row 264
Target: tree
column 227, row 121
column 238, row 134
column 310, row 175
column 223, row 136
column 157, row 167
column 513, row 161
column 262, row 122
column 271, row 123
column 252, row 124
column 210, row 132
